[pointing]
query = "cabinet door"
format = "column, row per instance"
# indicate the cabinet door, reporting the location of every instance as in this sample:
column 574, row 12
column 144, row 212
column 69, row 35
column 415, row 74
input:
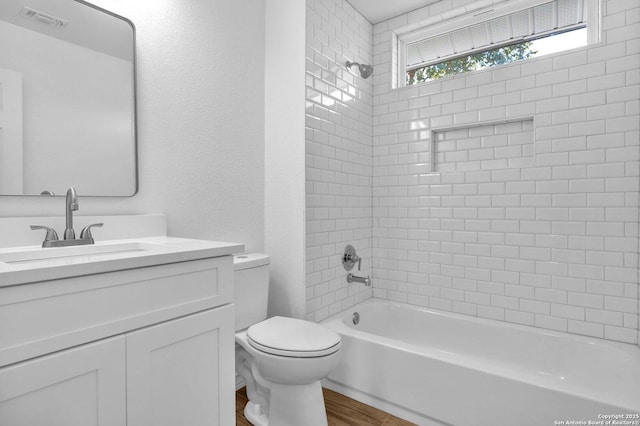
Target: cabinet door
column 82, row 386
column 182, row 372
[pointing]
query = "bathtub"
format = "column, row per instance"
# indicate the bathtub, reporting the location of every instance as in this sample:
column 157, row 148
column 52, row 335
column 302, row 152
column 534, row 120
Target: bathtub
column 440, row 368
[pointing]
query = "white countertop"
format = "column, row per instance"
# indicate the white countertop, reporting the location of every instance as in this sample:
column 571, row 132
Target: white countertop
column 143, row 252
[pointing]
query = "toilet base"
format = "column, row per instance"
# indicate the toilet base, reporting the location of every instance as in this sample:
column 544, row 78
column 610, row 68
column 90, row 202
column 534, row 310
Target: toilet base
column 255, row 415
column 290, row 405
column 297, row 405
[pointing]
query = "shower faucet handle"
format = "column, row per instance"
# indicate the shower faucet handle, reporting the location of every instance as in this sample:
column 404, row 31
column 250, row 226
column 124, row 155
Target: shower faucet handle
column 350, row 257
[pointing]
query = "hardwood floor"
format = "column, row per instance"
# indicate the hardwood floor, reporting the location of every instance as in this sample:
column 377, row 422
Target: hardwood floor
column 341, row 411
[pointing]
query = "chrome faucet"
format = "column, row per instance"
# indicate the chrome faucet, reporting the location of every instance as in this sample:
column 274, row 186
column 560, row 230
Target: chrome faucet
column 51, row 238
column 71, row 206
column 356, row 279
column 349, row 259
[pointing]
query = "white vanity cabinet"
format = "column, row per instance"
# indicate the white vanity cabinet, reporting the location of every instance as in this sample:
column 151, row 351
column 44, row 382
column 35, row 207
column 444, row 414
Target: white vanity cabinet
column 76, row 387
column 148, row 346
column 179, row 373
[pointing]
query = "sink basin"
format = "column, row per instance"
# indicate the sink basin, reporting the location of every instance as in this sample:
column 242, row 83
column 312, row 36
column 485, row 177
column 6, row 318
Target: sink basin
column 73, row 254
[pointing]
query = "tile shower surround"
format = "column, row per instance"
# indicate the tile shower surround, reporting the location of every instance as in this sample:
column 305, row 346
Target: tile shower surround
column 551, row 242
column 338, row 155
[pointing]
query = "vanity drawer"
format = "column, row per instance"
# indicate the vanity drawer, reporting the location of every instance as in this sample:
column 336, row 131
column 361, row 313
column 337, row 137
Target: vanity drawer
column 40, row 318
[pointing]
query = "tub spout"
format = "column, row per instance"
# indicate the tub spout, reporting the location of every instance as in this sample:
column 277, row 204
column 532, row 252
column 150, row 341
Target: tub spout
column 354, row 278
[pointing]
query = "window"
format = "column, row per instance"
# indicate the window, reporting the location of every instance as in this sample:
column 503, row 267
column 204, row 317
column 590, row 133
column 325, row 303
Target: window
column 516, row 31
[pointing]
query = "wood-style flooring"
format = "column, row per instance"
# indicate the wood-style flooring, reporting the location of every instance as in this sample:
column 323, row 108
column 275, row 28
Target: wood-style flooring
column 341, row 411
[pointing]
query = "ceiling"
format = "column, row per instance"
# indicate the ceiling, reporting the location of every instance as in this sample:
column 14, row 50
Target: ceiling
column 379, row 10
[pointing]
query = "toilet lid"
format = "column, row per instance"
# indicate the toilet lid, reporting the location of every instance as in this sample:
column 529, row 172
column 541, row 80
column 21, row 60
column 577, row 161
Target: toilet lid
column 293, row 337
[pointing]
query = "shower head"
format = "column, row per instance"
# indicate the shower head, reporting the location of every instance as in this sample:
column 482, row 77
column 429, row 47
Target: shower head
column 365, row 70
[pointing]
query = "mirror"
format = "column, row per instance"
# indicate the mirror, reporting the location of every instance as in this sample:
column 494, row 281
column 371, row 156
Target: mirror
column 67, row 99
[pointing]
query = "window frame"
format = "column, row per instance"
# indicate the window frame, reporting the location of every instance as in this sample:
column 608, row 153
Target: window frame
column 407, row 35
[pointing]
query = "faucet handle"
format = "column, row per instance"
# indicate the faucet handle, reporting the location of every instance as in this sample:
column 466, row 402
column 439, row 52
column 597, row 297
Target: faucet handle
column 51, row 235
column 350, row 258
column 86, row 231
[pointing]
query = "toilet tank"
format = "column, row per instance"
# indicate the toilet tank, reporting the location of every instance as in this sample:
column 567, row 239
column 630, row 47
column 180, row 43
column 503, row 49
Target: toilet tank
column 251, row 284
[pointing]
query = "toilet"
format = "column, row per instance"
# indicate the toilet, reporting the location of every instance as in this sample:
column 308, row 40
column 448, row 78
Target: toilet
column 281, row 360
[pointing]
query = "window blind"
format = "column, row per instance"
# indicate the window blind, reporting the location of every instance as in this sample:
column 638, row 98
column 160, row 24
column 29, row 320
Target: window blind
column 527, row 24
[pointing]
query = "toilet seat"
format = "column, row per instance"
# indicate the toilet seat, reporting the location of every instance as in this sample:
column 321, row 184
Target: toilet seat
column 291, row 337
column 294, row 354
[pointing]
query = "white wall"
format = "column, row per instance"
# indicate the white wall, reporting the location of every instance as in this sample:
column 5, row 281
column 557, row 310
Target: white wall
column 201, row 121
column 284, row 155
column 554, row 245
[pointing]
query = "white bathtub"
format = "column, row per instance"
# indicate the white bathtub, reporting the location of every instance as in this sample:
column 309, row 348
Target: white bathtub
column 434, row 367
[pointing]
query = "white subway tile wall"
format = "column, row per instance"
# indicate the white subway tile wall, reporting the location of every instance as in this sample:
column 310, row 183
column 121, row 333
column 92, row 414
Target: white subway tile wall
column 545, row 234
column 538, row 225
column 483, row 147
column 338, row 155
